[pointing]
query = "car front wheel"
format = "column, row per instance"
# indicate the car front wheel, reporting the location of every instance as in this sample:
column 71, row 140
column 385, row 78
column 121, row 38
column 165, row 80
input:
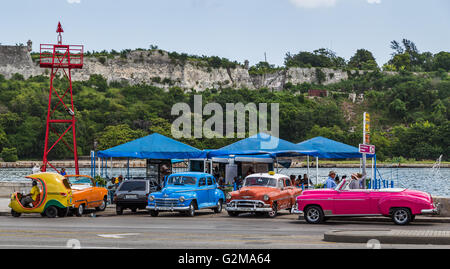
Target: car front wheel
column 314, row 215
column 273, row 213
column 153, row 213
column 218, row 209
column 233, row 213
column 401, row 216
column 15, row 214
column 191, row 210
column 119, row 210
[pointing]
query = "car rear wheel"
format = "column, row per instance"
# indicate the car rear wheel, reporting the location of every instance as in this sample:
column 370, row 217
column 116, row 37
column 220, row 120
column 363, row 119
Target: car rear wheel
column 401, row 216
column 314, row 214
column 219, row 207
column 51, row 212
column 79, row 211
column 102, row 207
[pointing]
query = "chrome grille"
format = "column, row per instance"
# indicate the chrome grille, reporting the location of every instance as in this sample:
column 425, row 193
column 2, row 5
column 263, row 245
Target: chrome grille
column 170, row 202
column 247, row 203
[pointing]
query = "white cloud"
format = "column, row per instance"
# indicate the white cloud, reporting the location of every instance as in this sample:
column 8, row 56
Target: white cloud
column 322, row 3
column 73, row 1
column 313, row 3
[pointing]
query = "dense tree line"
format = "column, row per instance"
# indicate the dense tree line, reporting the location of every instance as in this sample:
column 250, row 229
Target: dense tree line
column 410, row 111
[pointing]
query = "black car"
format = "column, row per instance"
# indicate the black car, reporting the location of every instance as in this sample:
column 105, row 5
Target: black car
column 133, row 194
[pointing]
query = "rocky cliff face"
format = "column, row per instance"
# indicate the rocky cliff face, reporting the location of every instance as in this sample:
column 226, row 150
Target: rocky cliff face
column 157, row 68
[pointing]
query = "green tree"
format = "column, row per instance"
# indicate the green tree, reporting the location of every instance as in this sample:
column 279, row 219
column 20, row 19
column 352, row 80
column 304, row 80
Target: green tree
column 117, row 135
column 398, row 108
column 9, row 155
column 442, row 60
column 363, row 60
column 402, row 62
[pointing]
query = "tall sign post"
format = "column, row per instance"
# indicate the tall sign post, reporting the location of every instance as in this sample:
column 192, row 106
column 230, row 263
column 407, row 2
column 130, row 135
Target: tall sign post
column 60, row 59
column 366, row 141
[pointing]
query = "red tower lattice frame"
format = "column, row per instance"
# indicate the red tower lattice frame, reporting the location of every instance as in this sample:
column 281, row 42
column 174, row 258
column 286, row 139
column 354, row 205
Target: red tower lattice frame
column 60, row 58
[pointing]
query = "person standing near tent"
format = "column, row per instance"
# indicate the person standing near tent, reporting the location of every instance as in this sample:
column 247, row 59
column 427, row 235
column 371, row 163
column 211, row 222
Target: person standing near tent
column 357, row 181
column 330, row 183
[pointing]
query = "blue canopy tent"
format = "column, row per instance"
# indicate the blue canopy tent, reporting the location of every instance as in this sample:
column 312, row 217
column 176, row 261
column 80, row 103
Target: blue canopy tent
column 261, row 144
column 329, row 149
column 154, row 146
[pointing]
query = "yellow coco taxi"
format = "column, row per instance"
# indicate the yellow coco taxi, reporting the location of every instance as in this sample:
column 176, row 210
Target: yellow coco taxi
column 51, row 196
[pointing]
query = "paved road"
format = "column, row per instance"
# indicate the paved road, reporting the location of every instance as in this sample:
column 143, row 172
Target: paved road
column 172, row 230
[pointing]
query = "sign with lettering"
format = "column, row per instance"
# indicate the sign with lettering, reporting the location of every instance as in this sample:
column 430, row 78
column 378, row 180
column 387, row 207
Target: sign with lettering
column 369, row 149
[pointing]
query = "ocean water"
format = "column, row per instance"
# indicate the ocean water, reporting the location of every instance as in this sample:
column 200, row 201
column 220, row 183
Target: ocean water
column 434, row 181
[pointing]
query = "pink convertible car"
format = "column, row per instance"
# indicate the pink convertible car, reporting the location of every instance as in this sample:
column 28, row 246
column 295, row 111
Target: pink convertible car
column 402, row 205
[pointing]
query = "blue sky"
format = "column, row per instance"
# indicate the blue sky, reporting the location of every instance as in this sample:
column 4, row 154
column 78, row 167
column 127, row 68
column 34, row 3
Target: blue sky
column 235, row 29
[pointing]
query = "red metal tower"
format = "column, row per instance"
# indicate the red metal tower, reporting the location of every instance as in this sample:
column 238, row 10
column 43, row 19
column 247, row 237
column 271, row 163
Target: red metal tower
column 60, row 58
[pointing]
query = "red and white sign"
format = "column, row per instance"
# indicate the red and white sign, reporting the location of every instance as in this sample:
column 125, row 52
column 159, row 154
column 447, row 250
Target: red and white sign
column 369, row 149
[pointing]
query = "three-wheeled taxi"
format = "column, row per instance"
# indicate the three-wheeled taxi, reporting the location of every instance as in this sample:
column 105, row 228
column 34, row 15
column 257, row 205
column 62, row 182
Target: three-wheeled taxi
column 54, row 197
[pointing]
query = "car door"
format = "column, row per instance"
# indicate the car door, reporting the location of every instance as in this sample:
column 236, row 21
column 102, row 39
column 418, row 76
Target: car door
column 202, row 192
column 292, row 192
column 351, row 202
column 211, row 190
column 95, row 196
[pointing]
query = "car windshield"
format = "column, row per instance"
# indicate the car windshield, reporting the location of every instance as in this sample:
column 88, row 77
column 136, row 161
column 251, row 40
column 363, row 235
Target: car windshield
column 181, row 180
column 132, row 186
column 79, row 180
column 260, row 181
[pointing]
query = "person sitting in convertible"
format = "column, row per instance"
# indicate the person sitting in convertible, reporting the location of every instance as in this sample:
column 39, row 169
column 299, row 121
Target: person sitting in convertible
column 32, row 196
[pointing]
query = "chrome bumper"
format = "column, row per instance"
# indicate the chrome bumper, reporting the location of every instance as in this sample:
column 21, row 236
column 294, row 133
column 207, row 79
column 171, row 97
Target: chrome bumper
column 250, row 206
column 294, row 210
column 248, row 209
column 167, row 208
column 434, row 211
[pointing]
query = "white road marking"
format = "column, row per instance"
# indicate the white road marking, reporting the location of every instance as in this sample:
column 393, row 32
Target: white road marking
column 116, row 236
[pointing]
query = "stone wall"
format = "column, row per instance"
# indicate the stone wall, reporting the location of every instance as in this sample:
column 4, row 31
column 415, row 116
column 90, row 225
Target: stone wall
column 158, row 69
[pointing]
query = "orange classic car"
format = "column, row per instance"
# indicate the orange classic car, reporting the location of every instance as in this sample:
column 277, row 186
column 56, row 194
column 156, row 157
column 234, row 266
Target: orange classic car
column 86, row 194
column 263, row 193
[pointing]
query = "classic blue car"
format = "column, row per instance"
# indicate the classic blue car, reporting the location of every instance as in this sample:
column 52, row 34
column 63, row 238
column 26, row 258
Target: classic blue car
column 187, row 192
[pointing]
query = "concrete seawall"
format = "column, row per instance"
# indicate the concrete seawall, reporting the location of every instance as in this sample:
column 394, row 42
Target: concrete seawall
column 7, row 188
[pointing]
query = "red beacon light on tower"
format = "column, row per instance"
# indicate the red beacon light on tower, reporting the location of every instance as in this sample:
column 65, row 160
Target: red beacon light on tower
column 60, row 58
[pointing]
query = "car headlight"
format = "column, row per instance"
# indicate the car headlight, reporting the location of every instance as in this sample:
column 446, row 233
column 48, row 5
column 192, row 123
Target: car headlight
column 228, row 196
column 181, row 199
column 151, row 198
column 266, row 197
